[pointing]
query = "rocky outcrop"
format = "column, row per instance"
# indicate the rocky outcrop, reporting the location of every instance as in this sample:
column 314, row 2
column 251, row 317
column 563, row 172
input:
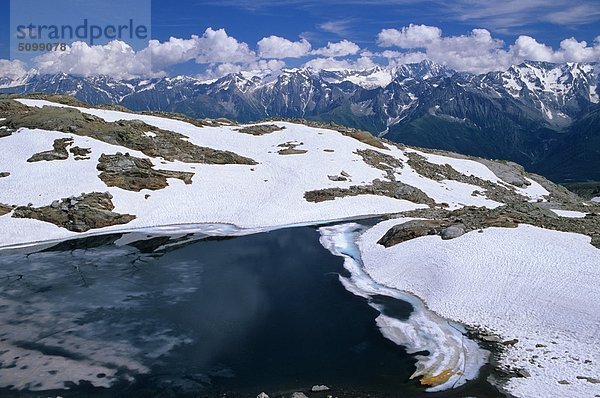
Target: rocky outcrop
column 4, row 209
column 453, row 231
column 59, row 151
column 4, row 174
column 134, row 174
column 441, row 172
column 454, row 223
column 80, row 153
column 381, row 161
column 392, row 189
column 77, row 214
column 509, row 172
column 128, row 133
column 289, row 148
column 260, row 129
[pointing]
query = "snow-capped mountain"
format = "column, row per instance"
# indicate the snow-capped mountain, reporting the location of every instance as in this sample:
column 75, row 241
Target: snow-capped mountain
column 520, row 114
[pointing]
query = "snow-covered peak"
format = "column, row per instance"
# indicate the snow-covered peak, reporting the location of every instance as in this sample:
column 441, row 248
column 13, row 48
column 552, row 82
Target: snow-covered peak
column 369, row 79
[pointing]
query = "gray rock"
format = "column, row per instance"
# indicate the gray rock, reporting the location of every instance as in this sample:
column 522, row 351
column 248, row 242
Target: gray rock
column 337, row 178
column 343, row 173
column 509, row 172
column 453, row 231
column 523, row 373
column 317, row 388
column 55, row 204
column 491, row 339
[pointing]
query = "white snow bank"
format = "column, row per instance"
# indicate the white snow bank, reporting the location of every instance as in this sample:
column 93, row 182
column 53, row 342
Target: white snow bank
column 267, row 195
column 453, row 358
column 596, row 199
column 531, row 284
column 569, row 213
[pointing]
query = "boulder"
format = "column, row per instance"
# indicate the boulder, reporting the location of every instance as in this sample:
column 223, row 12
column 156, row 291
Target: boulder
column 453, row 231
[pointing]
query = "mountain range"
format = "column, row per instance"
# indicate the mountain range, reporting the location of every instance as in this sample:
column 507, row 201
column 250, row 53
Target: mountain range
column 542, row 115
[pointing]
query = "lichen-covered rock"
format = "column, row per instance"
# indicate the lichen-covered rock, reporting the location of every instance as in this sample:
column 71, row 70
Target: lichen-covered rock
column 392, row 189
column 80, row 153
column 471, row 218
column 452, row 232
column 289, row 148
column 439, row 172
column 383, row 162
column 59, row 151
column 134, row 174
column 77, row 214
column 260, row 129
column 127, row 133
column 4, row 209
column 411, row 230
column 509, row 172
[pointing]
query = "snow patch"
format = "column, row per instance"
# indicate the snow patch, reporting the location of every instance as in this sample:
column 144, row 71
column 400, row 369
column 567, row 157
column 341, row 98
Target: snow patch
column 534, row 285
column 569, row 213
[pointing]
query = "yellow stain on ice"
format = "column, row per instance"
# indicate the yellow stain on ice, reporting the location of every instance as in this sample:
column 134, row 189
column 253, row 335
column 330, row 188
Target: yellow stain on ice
column 440, row 378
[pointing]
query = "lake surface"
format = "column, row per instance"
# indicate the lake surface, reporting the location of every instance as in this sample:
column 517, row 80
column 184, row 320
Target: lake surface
column 112, row 316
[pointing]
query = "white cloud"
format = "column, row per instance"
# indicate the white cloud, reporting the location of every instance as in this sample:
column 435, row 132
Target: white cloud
column 12, row 70
column 334, row 64
column 119, row 60
column 478, row 51
column 217, row 46
column 219, row 54
column 339, row 27
column 116, row 59
column 279, row 47
column 212, row 47
column 340, row 49
column 572, row 50
column 411, row 36
column 526, row 47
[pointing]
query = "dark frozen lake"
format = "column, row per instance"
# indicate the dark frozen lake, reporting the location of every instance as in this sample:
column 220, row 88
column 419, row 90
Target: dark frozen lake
column 187, row 317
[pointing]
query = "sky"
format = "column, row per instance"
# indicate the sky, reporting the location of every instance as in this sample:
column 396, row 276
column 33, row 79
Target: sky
column 214, row 37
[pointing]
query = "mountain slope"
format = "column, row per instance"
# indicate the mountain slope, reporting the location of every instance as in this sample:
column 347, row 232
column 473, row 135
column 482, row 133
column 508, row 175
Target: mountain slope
column 520, row 114
column 576, row 153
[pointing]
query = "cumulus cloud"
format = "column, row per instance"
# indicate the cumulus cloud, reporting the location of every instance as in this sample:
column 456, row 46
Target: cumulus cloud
column 217, row 46
column 119, row 60
column 116, row 59
column 279, row 47
column 362, row 62
column 213, row 46
column 477, row 51
column 412, row 36
column 12, row 70
column 218, row 53
column 340, row 49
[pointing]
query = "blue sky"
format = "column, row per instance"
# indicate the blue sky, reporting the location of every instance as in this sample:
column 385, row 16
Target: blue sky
column 320, row 22
column 360, row 21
